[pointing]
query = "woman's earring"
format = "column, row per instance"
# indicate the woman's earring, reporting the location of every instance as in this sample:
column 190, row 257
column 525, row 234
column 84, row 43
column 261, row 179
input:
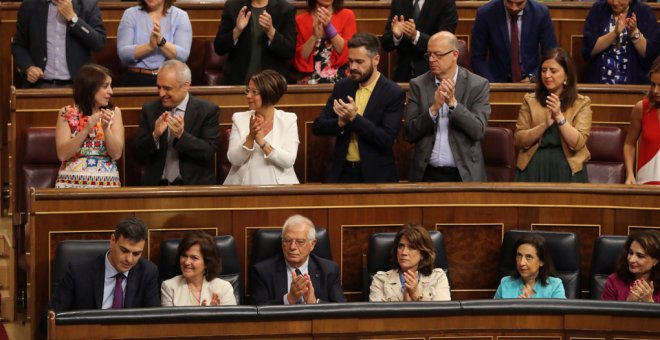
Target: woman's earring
column 564, row 82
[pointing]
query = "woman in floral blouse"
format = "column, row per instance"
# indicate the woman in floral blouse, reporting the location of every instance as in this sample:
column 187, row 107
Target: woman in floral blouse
column 321, row 46
column 90, row 134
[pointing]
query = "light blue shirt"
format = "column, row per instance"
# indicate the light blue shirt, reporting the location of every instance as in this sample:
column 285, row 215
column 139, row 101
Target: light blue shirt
column 56, row 66
column 109, row 283
column 304, row 269
column 511, row 288
column 135, row 29
column 441, row 154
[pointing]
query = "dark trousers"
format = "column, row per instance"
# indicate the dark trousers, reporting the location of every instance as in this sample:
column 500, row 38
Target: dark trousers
column 441, row 174
column 351, row 173
column 138, row 79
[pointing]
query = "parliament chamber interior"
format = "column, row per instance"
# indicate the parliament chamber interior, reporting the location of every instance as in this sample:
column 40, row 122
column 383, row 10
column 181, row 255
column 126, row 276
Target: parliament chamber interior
column 473, row 219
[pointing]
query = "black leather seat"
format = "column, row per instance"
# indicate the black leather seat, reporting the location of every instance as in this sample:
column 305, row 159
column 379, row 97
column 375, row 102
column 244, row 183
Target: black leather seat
column 168, row 266
column 74, row 251
column 378, row 256
column 603, row 262
column 267, row 243
column 565, row 252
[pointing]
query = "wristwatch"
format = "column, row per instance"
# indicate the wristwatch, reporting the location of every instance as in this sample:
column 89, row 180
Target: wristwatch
column 162, row 42
column 73, row 21
column 635, row 35
column 561, row 122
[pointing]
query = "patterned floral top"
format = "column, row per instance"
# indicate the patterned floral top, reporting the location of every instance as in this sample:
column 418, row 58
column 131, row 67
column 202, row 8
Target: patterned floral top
column 324, row 71
column 90, row 167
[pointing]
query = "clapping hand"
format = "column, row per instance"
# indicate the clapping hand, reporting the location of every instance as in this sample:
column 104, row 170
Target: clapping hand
column 397, row 26
column 243, row 18
column 215, row 300
column 554, row 106
column 266, row 23
column 409, row 29
column 175, row 124
column 155, row 36
column 107, row 117
column 346, row 111
column 526, row 293
column 65, row 7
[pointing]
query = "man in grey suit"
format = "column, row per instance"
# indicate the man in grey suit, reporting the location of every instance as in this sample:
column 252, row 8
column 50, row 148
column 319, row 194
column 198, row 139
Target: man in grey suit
column 447, row 114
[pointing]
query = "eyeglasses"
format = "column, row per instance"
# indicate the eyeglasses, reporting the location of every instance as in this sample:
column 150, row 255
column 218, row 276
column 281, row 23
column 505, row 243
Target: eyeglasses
column 436, row 55
column 299, row 242
column 254, row 92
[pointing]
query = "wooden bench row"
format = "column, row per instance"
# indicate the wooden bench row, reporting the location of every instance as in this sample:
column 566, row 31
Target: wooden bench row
column 38, row 108
column 472, row 217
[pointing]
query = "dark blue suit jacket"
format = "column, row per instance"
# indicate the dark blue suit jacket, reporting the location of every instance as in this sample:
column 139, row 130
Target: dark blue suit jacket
column 376, row 129
column 29, row 43
column 269, row 280
column 490, row 41
column 82, row 286
column 196, row 147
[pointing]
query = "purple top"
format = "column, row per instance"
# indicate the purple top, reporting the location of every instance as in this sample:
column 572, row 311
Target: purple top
column 617, row 290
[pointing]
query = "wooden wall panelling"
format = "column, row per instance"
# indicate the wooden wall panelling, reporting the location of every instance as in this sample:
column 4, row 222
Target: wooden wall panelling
column 354, row 249
column 469, row 246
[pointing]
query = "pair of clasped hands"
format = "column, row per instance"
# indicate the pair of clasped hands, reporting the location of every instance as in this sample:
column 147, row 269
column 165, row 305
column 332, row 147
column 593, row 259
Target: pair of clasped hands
column 155, row 37
column 641, row 290
column 105, row 116
column 401, row 27
column 215, row 301
column 168, row 120
column 301, row 287
column 411, row 289
column 553, row 103
column 444, row 94
column 346, row 111
column 622, row 22
column 321, row 19
column 265, row 22
column 259, row 128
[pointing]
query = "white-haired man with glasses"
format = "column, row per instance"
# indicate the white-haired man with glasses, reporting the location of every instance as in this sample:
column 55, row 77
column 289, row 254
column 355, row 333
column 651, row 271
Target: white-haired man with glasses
column 296, row 276
column 447, row 114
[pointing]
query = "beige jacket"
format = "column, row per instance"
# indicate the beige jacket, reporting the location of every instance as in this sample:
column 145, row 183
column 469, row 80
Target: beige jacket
column 386, row 286
column 532, row 114
column 175, row 292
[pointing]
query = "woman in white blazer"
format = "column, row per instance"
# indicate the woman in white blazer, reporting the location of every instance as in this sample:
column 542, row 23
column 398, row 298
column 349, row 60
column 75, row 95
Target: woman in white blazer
column 263, row 144
column 413, row 277
column 198, row 285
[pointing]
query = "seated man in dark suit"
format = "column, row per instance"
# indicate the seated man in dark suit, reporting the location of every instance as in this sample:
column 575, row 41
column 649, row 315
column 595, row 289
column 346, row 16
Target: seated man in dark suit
column 296, row 276
column 364, row 114
column 492, row 54
column 53, row 39
column 447, row 115
column 120, row 278
column 178, row 133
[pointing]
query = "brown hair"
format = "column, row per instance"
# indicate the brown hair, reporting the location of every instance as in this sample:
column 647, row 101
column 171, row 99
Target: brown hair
column 166, row 5
column 655, row 68
column 209, row 252
column 649, row 239
column 88, row 81
column 569, row 94
column 336, row 5
column 271, row 86
column 542, row 251
column 419, row 239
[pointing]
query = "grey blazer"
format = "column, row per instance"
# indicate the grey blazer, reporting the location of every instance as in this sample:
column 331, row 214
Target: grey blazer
column 467, row 124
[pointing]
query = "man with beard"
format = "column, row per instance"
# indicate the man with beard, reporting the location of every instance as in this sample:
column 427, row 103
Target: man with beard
column 448, row 112
column 364, row 114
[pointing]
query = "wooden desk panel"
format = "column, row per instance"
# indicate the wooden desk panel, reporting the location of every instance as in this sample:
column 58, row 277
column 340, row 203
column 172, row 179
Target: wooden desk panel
column 472, row 216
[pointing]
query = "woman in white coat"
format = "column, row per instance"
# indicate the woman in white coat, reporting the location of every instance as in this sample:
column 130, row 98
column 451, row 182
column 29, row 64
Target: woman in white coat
column 263, row 144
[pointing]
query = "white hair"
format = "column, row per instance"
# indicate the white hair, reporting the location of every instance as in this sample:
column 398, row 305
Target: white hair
column 183, row 73
column 300, row 220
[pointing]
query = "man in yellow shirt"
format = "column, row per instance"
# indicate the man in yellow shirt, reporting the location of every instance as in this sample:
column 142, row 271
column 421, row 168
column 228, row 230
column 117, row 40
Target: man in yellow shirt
column 364, row 114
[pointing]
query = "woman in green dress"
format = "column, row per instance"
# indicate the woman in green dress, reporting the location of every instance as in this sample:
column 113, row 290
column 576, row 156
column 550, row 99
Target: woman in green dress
column 553, row 125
